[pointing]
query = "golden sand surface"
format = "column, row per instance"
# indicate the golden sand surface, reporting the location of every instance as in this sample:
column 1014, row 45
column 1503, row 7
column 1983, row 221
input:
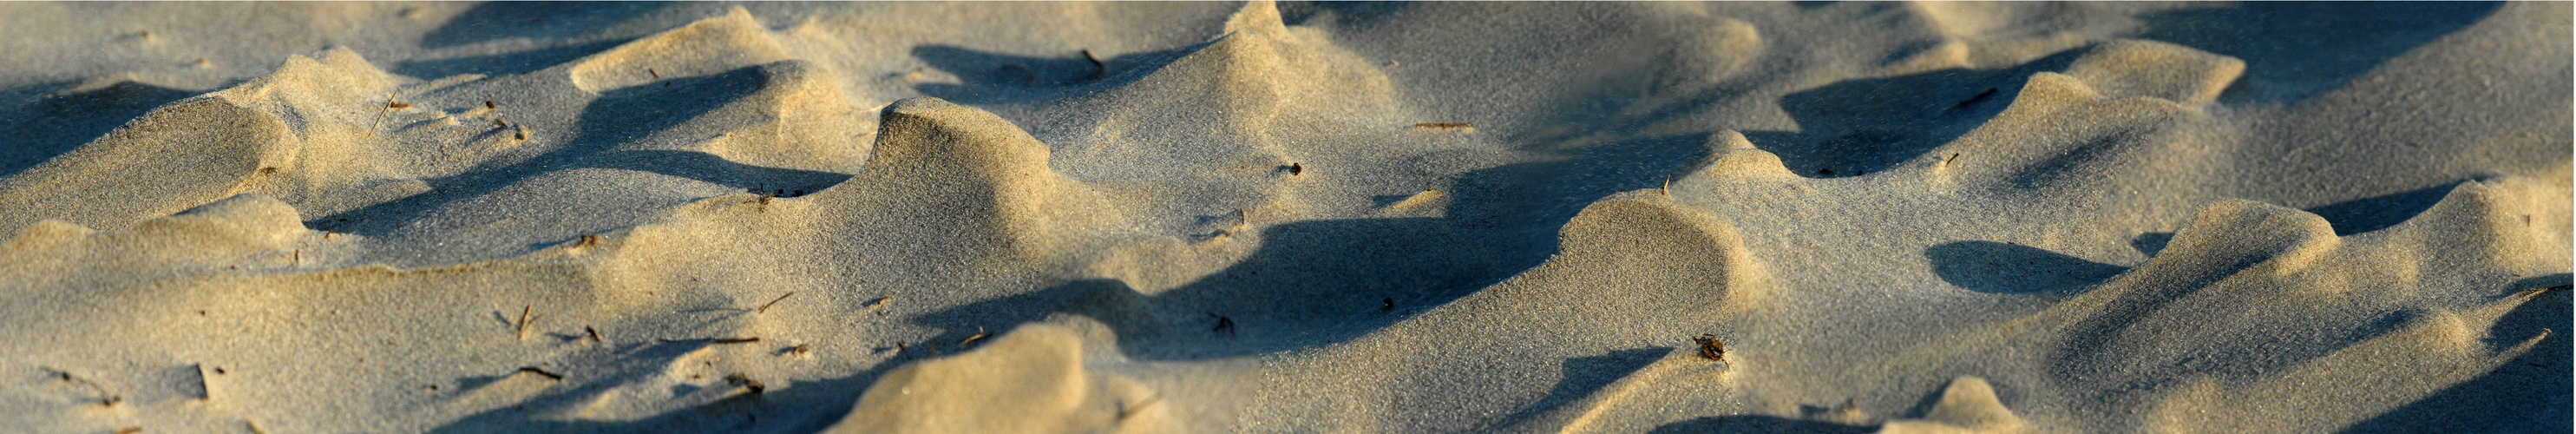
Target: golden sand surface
column 1291, row 217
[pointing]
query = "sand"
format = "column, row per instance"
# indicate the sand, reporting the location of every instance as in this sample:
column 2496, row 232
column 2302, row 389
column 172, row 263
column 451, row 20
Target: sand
column 1220, row 217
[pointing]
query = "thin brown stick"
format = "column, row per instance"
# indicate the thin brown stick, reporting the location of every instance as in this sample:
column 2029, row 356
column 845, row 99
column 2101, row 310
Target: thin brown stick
column 764, row 307
column 594, row 334
column 105, row 399
column 523, row 320
column 549, row 375
column 1098, row 68
column 380, row 114
column 1125, row 410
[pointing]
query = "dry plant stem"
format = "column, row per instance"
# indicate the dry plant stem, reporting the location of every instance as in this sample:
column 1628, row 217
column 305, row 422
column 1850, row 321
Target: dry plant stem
column 105, row 399
column 764, row 307
column 380, row 114
column 523, row 320
column 548, row 375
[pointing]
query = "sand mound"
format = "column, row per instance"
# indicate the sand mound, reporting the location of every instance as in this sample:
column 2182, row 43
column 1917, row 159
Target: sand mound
column 287, row 135
column 973, row 178
column 1038, row 375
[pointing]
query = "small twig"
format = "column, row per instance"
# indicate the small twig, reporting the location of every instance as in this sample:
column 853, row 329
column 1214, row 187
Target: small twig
column 206, row 391
column 723, row 341
column 105, row 399
column 764, row 307
column 746, row 382
column 594, row 334
column 1124, row 410
column 380, row 114
column 1098, row 68
column 979, row 335
column 534, row 370
column 523, row 320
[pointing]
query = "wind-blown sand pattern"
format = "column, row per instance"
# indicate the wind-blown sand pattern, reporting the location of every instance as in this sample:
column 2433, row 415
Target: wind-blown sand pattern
column 1168, row 217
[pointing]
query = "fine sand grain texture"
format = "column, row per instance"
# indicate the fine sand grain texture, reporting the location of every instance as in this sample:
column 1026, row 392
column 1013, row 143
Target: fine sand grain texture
column 1259, row 217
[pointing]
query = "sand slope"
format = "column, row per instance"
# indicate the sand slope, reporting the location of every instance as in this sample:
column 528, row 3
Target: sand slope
column 1439, row 217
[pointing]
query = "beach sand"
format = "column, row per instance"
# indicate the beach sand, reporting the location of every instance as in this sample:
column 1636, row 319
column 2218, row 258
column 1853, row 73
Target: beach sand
column 1221, row 217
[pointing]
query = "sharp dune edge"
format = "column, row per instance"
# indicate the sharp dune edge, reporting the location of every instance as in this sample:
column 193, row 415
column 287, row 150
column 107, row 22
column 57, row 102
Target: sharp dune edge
column 1438, row 217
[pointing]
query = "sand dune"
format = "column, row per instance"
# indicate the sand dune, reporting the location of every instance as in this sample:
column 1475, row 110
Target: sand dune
column 1435, row 217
